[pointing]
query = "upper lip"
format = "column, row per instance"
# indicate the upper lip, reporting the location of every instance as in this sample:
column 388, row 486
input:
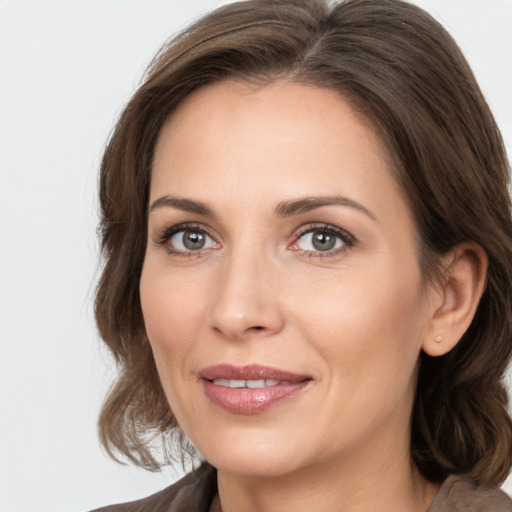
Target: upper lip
column 250, row 372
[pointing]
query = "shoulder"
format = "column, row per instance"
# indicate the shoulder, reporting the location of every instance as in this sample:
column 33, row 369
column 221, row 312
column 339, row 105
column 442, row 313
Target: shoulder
column 464, row 496
column 193, row 493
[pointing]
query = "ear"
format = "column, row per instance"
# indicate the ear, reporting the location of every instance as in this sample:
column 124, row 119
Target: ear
column 456, row 299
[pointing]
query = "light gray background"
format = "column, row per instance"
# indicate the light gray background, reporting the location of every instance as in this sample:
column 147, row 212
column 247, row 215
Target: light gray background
column 66, row 69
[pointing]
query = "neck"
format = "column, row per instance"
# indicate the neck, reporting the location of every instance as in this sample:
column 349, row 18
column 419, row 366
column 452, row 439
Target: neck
column 363, row 484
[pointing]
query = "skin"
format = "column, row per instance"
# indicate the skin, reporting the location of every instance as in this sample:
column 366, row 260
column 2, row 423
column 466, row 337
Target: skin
column 354, row 319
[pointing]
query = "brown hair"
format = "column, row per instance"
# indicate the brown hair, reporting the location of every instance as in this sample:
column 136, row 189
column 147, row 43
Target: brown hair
column 399, row 67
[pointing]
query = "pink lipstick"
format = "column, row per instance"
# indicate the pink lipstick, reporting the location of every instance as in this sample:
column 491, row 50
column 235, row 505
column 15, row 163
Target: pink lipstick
column 250, row 389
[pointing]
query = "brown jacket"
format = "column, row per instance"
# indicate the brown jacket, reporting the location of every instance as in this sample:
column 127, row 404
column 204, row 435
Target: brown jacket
column 195, row 492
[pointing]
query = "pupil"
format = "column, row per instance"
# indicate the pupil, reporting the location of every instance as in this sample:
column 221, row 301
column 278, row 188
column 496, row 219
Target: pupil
column 193, row 240
column 323, row 241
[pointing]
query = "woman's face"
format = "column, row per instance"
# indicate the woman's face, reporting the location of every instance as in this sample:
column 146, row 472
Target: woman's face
column 281, row 290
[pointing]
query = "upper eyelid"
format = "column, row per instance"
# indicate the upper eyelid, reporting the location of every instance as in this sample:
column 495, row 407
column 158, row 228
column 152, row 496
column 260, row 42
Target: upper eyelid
column 164, row 234
column 326, row 227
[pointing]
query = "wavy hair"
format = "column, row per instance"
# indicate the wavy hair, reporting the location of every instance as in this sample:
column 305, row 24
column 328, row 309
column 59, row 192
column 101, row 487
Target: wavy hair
column 402, row 70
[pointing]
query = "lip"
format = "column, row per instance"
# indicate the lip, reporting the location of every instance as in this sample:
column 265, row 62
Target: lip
column 249, row 401
column 250, row 372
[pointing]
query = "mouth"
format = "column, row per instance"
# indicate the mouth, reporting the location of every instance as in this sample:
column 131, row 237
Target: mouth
column 250, row 389
column 252, row 384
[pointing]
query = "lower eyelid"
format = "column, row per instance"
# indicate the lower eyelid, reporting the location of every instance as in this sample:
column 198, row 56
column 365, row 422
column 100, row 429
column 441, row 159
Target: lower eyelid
column 346, row 238
column 163, row 236
column 209, row 243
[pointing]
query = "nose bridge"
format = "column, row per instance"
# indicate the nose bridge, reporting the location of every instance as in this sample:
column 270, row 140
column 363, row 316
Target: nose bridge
column 244, row 302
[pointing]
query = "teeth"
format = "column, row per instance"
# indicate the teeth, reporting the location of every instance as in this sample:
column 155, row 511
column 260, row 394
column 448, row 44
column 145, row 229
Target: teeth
column 255, row 383
column 222, row 382
column 233, row 383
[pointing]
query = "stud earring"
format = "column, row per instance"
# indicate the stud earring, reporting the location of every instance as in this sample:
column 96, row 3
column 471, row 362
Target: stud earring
column 438, row 339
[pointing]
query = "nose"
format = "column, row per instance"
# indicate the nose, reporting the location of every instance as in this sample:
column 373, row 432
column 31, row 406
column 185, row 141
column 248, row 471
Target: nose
column 246, row 302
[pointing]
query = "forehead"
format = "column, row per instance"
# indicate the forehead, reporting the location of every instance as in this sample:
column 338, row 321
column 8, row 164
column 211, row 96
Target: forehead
column 277, row 140
column 223, row 107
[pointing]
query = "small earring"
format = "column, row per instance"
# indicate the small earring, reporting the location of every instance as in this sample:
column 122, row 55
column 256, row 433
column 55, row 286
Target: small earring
column 438, row 339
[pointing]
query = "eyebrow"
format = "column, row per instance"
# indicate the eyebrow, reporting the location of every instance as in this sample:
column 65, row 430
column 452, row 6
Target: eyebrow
column 287, row 208
column 181, row 203
column 283, row 209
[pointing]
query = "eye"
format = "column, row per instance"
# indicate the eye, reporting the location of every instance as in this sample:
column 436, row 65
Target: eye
column 319, row 241
column 186, row 240
column 322, row 239
column 191, row 240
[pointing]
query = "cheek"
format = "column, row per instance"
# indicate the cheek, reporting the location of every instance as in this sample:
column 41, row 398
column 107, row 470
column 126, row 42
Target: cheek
column 371, row 322
column 169, row 298
column 172, row 313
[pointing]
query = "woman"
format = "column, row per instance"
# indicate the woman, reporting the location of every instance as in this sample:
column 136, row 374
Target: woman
column 307, row 233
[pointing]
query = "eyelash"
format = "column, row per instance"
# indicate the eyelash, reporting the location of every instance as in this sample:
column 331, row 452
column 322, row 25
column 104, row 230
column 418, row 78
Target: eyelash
column 168, row 233
column 346, row 238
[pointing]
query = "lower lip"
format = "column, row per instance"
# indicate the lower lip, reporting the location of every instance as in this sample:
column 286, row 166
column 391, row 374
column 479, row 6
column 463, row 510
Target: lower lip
column 251, row 400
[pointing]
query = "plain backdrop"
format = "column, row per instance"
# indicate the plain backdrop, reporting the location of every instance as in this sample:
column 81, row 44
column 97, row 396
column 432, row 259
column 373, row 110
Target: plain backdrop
column 66, row 69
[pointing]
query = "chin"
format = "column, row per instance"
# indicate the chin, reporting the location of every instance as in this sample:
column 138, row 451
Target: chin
column 252, row 465
column 254, row 457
